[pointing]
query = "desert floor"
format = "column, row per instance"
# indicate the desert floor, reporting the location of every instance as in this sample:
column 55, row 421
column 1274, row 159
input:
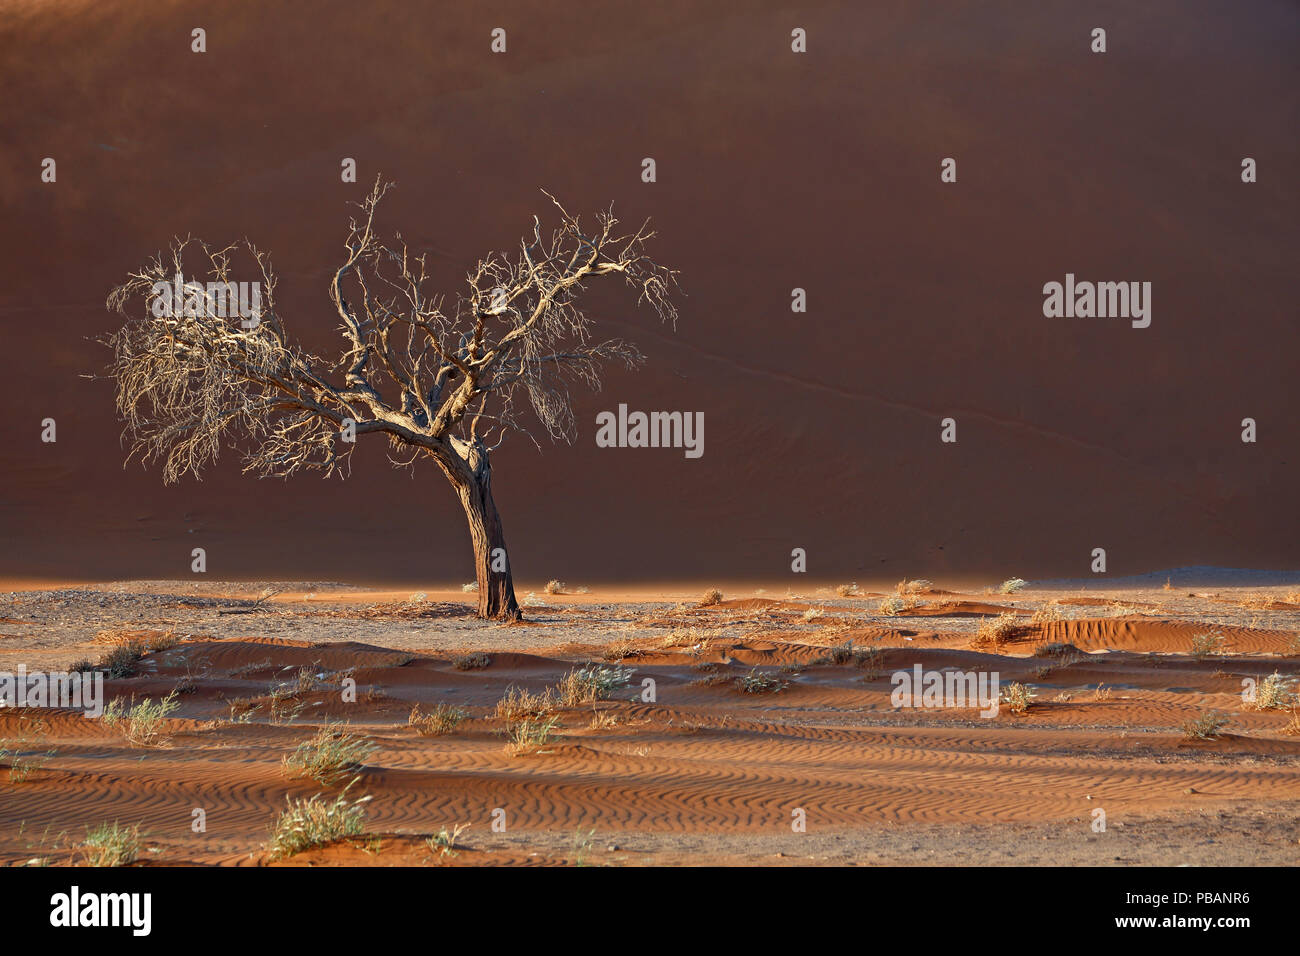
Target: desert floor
column 708, row 772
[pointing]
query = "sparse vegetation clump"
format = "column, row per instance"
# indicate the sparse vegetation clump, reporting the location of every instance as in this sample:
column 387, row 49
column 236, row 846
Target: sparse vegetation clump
column 1292, row 728
column 444, row 842
column 590, row 683
column 690, row 637
column 848, row 590
column 620, row 651
column 242, row 709
column 1056, row 649
column 125, row 653
column 141, row 724
column 1274, row 693
column 530, row 734
column 758, row 682
column 1205, row 727
column 439, row 722
column 315, row 821
column 13, row 750
column 470, row 588
column 328, row 755
column 1011, row 585
column 111, row 844
column 1207, row 644
column 471, row 662
column 711, row 597
column 122, row 660
column 846, row 653
column 556, row 587
column 1050, row 613
column 518, row 703
column 994, row 631
column 895, row 604
column 917, row 586
column 1017, row 698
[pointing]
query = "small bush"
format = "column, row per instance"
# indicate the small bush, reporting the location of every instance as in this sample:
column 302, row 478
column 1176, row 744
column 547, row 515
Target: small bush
column 316, row 822
column 141, row 724
column 848, row 590
column 591, row 683
column 518, row 703
column 122, row 660
column 846, row 653
column 1011, row 585
column 892, row 605
column 1018, row 698
column 1056, row 649
column 556, row 587
column 1208, row 643
column 439, row 722
column 470, row 662
column 1274, row 693
column 111, row 845
column 469, row 588
column 919, row 586
column 1204, row 727
column 530, row 734
column 620, row 651
column 711, row 596
column 992, row 632
column 757, row 682
column 328, row 755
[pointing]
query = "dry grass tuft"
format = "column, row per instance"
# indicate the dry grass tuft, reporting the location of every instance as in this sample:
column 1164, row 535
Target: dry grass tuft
column 993, row 632
column 314, row 822
column 110, row 844
column 518, row 703
column 470, row 662
column 530, row 735
column 141, row 724
column 439, row 722
column 329, row 754
column 1204, row 727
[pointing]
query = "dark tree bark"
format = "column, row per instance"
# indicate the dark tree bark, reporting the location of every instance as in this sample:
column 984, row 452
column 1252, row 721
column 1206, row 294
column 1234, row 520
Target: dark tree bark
column 496, row 588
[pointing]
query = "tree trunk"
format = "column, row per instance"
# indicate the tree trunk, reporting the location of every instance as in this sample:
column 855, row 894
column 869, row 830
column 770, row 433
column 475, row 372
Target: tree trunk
column 496, row 587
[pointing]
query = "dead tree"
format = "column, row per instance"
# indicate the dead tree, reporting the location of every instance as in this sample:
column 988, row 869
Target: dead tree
column 440, row 380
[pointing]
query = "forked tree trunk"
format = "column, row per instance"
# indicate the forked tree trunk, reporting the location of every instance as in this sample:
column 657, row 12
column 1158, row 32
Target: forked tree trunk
column 496, row 588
